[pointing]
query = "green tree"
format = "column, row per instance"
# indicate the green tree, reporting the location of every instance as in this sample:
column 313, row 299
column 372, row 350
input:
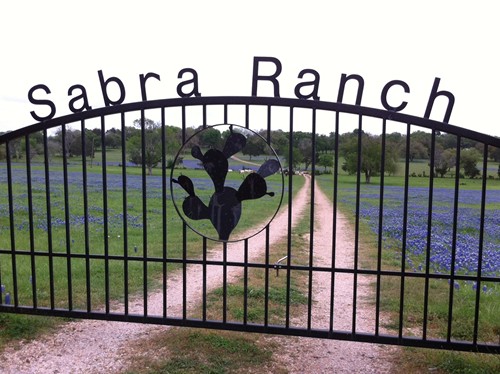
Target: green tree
column 113, row 138
column 296, row 160
column 371, row 152
column 325, row 160
column 210, row 138
column 417, row 150
column 324, row 143
column 306, row 149
column 71, row 136
column 468, row 160
column 425, row 139
column 279, row 141
column 494, row 153
column 152, row 154
column 444, row 160
column 75, row 147
column 255, row 146
column 173, row 140
column 3, row 152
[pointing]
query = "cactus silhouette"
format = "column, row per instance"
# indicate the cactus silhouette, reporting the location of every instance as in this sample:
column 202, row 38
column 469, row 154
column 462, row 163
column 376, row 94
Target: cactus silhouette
column 224, row 208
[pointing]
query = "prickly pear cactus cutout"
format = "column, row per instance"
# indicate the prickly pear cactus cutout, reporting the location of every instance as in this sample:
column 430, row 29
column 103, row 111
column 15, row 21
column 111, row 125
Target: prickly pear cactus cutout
column 216, row 189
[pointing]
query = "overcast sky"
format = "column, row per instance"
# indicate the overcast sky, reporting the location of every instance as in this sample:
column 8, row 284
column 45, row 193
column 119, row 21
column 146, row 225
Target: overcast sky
column 62, row 43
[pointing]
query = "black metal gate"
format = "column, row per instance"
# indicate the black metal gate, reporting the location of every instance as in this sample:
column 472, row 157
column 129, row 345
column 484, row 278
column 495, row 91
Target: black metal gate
column 412, row 222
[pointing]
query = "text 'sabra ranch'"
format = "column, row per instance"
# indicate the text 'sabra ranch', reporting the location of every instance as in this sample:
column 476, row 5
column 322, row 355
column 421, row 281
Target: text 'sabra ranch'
column 307, row 88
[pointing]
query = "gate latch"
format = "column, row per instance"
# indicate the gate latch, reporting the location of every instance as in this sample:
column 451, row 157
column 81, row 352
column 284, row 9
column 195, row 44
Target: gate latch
column 278, row 266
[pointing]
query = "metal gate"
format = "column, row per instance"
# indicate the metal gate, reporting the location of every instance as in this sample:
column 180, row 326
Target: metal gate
column 413, row 255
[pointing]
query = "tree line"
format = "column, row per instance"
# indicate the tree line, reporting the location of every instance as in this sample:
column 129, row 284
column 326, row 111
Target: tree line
column 148, row 139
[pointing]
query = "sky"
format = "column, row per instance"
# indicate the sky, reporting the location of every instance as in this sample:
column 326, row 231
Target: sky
column 63, row 43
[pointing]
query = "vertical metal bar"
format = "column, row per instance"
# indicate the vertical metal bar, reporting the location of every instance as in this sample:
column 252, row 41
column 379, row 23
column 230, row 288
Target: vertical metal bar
column 105, row 211
column 67, row 218
column 144, row 216
column 334, row 220
column 266, row 279
column 454, row 239
column 184, row 272
column 429, row 236
column 247, row 117
column 204, row 286
column 184, row 235
column 481, row 245
column 29, row 188
column 164, row 208
column 12, row 227
column 245, row 249
column 224, row 282
column 49, row 218
column 86, row 216
column 311, row 221
column 225, row 113
column 125, row 212
column 380, row 228
column 204, row 240
column 290, row 207
column 403, row 238
column 267, row 252
column 204, row 115
column 356, row 224
column 245, row 282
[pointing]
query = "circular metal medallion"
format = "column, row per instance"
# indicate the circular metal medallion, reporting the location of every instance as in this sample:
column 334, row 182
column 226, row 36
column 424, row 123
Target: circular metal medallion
column 232, row 186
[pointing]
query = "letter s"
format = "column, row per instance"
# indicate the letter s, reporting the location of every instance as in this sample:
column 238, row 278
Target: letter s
column 41, row 102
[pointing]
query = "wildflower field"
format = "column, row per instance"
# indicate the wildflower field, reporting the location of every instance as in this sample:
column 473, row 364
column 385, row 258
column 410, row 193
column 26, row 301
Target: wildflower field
column 111, row 247
column 430, row 251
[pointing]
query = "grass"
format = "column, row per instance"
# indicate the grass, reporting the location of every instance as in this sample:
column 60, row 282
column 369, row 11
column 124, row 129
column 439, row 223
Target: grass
column 16, row 327
column 416, row 360
column 43, row 271
column 202, row 351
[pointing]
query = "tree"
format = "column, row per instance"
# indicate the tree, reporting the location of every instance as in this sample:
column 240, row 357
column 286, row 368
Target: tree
column 75, row 148
column 210, row 138
column 3, row 152
column 16, row 148
column 468, row 160
column 279, row 141
column 325, row 160
column 113, row 138
column 52, row 147
column 173, row 140
column 494, row 153
column 255, row 146
column 297, row 158
column 152, row 145
column 71, row 136
column 444, row 160
column 324, row 143
column 371, row 152
column 417, row 150
column 305, row 148
column 424, row 138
